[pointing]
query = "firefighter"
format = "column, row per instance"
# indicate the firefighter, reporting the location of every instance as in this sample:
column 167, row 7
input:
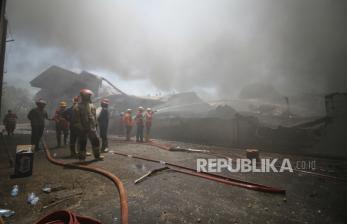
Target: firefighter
column 61, row 123
column 103, row 124
column 73, row 130
column 148, row 123
column 128, row 123
column 37, row 117
column 139, row 119
column 10, row 121
column 84, row 120
column 121, row 123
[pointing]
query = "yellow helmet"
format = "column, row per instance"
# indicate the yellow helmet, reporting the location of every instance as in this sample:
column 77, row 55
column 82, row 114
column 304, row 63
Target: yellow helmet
column 62, row 104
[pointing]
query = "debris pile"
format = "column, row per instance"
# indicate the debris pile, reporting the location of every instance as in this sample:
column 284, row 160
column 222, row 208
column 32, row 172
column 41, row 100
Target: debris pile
column 268, row 123
column 222, row 111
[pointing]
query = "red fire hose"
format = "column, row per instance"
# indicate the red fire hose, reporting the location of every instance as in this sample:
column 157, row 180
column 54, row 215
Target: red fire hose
column 169, row 147
column 121, row 190
column 210, row 176
column 66, row 217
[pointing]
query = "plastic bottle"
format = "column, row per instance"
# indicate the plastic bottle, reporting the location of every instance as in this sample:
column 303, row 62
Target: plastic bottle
column 6, row 213
column 32, row 198
column 14, row 191
column 47, row 188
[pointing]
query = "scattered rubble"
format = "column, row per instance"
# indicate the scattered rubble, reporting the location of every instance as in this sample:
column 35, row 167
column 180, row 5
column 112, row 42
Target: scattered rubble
column 48, row 188
column 269, row 124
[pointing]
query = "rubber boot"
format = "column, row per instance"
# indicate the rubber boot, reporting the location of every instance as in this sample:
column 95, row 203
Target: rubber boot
column 82, row 155
column 96, row 153
column 104, row 145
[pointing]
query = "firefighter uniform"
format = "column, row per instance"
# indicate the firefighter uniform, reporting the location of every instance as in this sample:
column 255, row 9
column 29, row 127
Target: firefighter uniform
column 103, row 124
column 73, row 129
column 148, row 123
column 139, row 119
column 37, row 117
column 121, row 123
column 85, row 122
column 10, row 121
column 128, row 123
column 61, row 123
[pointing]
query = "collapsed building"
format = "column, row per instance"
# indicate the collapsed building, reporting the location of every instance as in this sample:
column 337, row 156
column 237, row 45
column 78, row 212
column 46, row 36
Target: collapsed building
column 58, row 84
column 186, row 117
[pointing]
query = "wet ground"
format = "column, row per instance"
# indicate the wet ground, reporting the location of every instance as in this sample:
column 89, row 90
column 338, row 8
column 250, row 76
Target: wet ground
column 170, row 197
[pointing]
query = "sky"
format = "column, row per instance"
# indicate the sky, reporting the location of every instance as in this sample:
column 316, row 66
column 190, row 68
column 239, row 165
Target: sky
column 213, row 47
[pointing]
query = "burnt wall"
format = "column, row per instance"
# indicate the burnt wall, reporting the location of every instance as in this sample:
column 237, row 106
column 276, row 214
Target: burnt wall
column 211, row 131
column 238, row 132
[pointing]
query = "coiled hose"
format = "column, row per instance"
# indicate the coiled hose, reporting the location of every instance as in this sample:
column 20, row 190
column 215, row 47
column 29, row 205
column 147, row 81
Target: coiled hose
column 121, row 190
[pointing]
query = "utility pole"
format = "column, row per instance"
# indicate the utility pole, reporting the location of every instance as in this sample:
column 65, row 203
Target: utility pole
column 3, row 35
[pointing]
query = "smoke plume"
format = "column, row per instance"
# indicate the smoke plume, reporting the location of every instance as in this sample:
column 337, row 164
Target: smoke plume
column 214, row 45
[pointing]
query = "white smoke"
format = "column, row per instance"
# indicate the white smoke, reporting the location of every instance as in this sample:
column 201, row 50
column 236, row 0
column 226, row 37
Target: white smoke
column 219, row 45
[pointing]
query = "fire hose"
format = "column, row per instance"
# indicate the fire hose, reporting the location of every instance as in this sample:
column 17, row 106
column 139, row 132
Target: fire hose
column 118, row 183
column 210, row 176
column 170, row 148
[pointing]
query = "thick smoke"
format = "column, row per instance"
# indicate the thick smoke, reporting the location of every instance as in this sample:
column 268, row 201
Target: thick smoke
column 220, row 45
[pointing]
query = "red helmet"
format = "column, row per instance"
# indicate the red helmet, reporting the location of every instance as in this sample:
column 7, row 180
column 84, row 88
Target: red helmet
column 105, row 101
column 86, row 92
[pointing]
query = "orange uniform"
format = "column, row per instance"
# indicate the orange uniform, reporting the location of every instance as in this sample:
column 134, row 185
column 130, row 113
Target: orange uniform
column 128, row 122
column 148, row 123
column 148, row 118
column 127, row 119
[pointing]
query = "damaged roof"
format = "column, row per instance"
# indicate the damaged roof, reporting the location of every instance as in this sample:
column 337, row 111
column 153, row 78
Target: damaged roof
column 53, row 76
column 59, row 80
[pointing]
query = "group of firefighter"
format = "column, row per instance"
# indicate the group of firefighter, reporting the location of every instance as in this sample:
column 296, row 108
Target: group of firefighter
column 80, row 123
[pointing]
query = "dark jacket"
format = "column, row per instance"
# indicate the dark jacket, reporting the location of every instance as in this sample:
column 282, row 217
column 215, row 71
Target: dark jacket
column 68, row 114
column 10, row 119
column 37, row 116
column 103, row 118
column 84, row 116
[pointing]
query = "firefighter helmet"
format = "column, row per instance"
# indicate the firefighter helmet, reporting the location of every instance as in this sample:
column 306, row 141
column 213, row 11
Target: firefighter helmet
column 41, row 102
column 105, row 102
column 62, row 104
column 149, row 109
column 85, row 92
column 141, row 108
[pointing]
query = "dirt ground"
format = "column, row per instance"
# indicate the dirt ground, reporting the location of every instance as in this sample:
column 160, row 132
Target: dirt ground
column 170, row 197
